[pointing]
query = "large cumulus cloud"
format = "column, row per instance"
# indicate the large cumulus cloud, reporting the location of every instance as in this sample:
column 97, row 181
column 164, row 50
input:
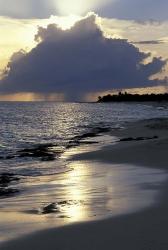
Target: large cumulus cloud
column 78, row 61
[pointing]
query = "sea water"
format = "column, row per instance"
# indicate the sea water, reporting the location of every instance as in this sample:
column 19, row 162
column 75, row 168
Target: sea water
column 41, row 188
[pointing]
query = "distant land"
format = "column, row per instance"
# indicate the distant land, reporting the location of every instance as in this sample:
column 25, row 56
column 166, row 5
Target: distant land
column 126, row 97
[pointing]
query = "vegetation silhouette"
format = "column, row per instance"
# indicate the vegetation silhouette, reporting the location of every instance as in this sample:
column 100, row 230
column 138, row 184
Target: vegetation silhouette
column 126, row 97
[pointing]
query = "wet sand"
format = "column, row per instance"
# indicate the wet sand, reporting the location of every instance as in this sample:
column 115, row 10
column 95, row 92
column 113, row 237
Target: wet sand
column 144, row 230
column 138, row 148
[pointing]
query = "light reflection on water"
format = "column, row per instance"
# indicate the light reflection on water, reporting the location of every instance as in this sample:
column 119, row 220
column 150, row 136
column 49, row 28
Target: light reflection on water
column 92, row 191
column 75, row 191
column 81, row 190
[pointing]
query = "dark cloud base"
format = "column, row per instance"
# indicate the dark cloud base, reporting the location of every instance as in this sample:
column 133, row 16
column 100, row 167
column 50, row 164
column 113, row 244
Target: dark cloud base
column 79, row 61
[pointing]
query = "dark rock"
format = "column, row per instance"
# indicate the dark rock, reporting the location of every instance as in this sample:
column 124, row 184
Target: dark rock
column 76, row 143
column 88, row 142
column 63, row 217
column 138, row 138
column 7, row 178
column 127, row 139
column 99, row 130
column 72, row 144
column 86, row 135
column 48, row 158
column 51, row 208
column 7, row 192
column 93, row 133
column 9, row 157
column 56, row 207
column 44, row 152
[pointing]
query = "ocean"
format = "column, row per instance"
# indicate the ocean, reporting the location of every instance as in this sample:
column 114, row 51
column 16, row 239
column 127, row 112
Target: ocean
column 41, row 187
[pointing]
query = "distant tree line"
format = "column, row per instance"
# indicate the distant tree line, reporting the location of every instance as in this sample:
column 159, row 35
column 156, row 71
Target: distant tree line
column 126, row 97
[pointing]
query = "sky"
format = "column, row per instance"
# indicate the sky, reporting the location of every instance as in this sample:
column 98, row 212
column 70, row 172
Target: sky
column 75, row 50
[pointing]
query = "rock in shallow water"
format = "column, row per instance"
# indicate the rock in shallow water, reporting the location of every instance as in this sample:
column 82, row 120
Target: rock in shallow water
column 94, row 132
column 138, row 138
column 5, row 180
column 44, row 152
column 51, row 208
column 57, row 207
column 7, row 192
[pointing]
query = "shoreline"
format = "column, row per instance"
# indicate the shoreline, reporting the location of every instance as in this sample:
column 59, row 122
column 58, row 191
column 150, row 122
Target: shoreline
column 146, row 229
column 138, row 137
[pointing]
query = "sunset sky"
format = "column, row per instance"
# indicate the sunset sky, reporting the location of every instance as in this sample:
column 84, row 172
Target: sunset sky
column 77, row 49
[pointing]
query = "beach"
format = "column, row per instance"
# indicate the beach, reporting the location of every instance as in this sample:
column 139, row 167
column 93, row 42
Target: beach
column 83, row 125
column 142, row 143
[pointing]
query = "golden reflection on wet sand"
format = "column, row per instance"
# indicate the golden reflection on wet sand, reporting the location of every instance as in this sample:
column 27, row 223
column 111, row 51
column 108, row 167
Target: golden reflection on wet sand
column 91, row 190
column 75, row 191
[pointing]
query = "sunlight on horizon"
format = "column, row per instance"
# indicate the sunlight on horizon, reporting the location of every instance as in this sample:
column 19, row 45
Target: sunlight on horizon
column 67, row 8
column 78, row 7
column 65, row 22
